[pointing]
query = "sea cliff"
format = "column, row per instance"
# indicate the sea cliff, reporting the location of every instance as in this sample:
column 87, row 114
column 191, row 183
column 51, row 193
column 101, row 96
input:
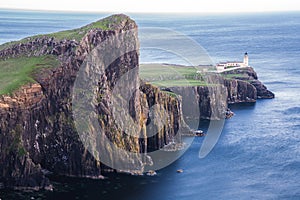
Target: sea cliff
column 38, row 132
column 37, row 129
column 210, row 99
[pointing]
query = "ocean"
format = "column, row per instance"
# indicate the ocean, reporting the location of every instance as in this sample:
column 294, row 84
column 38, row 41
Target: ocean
column 258, row 153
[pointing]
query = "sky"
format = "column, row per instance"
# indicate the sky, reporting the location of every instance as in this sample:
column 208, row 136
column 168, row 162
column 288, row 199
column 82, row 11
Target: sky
column 183, row 6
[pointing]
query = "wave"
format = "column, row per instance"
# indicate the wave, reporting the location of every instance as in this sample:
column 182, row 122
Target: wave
column 292, row 110
column 276, row 82
column 292, row 166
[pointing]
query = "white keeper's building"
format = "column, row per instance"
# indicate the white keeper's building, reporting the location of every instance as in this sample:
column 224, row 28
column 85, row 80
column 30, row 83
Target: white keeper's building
column 232, row 64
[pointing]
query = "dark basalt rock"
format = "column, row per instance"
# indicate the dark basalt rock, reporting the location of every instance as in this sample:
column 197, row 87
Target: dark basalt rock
column 240, row 91
column 243, row 78
column 262, row 91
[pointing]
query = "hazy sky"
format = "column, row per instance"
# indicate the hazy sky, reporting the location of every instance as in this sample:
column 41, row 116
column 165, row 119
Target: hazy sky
column 155, row 5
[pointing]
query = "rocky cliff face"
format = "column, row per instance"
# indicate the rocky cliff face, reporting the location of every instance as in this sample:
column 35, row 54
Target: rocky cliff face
column 211, row 101
column 240, row 91
column 37, row 128
column 243, row 86
column 39, row 132
column 170, row 112
column 203, row 102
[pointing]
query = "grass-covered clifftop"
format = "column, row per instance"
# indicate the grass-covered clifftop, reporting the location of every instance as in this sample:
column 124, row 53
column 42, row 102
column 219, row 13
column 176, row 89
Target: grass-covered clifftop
column 15, row 72
column 38, row 117
column 242, row 83
column 166, row 75
column 19, row 60
column 108, row 23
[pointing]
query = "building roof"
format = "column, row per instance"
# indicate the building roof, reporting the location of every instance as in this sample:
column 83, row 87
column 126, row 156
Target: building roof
column 230, row 62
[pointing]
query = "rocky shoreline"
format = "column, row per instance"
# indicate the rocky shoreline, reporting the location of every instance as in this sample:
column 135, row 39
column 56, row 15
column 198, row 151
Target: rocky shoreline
column 242, row 79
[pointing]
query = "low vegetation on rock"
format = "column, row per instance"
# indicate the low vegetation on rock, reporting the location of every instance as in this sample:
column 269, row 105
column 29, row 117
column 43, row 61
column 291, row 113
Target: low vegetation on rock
column 16, row 72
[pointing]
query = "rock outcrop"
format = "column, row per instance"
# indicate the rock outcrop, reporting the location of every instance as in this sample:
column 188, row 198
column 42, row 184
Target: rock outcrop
column 203, row 102
column 240, row 91
column 230, row 87
column 37, row 129
column 243, row 86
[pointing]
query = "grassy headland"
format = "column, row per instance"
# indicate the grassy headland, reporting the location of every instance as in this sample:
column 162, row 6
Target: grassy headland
column 165, row 75
column 15, row 72
column 77, row 34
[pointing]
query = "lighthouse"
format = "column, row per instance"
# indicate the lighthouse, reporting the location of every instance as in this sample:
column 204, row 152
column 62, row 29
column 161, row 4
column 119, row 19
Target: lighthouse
column 229, row 65
column 246, row 59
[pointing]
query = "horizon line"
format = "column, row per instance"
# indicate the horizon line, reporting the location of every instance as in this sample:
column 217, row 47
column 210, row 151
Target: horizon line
column 150, row 12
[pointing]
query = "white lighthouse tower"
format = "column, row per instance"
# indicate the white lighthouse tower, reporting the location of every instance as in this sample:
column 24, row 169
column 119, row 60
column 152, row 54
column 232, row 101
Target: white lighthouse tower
column 246, row 59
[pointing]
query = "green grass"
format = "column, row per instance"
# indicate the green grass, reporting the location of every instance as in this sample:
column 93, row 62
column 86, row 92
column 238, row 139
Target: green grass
column 16, row 72
column 229, row 67
column 156, row 72
column 107, row 23
column 162, row 75
column 77, row 34
column 172, row 94
column 234, row 76
column 179, row 83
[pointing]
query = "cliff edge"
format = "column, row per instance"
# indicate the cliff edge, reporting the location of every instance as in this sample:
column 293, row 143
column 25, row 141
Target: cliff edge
column 37, row 130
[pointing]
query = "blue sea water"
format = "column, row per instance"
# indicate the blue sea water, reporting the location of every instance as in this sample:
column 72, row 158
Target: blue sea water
column 258, row 154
